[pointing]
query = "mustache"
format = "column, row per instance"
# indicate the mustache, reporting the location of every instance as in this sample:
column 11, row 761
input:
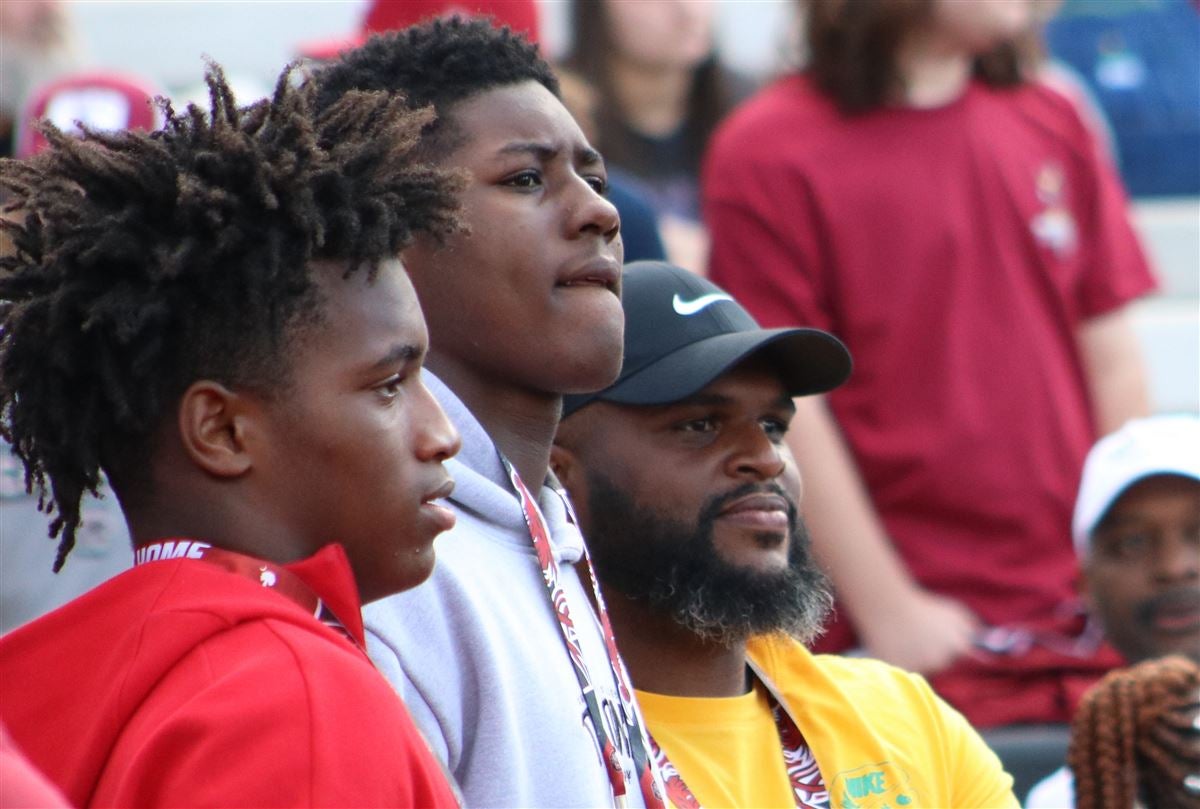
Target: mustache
column 1178, row 600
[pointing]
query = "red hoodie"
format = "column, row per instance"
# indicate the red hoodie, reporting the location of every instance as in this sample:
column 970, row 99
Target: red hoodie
column 180, row 683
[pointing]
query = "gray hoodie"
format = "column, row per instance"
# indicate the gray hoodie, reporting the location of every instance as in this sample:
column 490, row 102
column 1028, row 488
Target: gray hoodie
column 477, row 654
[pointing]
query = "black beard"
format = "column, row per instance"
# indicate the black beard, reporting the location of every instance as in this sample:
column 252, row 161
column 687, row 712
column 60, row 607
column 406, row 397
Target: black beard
column 676, row 570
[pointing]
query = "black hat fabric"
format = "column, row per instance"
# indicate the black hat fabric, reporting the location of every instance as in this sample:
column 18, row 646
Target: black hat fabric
column 682, row 332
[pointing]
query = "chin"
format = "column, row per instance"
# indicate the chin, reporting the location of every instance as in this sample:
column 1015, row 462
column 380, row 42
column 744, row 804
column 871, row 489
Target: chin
column 591, row 372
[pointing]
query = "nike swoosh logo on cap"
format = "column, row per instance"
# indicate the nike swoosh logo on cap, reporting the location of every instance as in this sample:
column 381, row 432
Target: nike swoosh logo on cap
column 686, row 308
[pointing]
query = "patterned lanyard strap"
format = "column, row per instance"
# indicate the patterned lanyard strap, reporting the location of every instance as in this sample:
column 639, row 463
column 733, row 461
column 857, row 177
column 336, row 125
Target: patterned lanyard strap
column 540, row 536
column 267, row 574
column 808, row 787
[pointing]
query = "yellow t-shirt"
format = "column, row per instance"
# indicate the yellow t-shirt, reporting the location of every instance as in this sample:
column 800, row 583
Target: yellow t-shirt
column 880, row 735
column 726, row 749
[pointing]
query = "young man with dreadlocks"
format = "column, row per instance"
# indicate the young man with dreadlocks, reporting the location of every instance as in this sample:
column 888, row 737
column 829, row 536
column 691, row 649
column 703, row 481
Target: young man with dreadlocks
column 213, row 317
column 499, row 656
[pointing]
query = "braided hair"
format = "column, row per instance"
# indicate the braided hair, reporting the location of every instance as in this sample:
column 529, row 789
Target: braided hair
column 141, row 262
column 1133, row 738
column 439, row 63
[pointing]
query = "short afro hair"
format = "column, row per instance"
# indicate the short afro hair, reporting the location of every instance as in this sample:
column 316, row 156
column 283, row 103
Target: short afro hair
column 438, row 63
column 142, row 262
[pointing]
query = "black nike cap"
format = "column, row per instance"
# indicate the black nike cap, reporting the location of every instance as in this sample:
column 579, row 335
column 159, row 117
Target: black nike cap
column 683, row 331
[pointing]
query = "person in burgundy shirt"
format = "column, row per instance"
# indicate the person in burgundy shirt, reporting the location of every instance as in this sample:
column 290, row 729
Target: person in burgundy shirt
column 957, row 227
column 212, row 317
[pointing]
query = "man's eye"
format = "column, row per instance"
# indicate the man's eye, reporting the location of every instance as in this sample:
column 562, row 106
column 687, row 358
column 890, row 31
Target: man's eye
column 1129, row 546
column 598, row 184
column 698, row 425
column 524, row 179
column 390, row 388
column 775, row 428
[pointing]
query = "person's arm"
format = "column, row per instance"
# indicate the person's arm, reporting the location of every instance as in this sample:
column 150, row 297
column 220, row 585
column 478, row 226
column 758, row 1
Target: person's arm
column 1115, row 369
column 896, row 620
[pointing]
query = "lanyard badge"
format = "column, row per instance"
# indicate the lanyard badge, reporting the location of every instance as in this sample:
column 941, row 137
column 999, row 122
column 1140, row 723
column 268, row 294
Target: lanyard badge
column 540, row 537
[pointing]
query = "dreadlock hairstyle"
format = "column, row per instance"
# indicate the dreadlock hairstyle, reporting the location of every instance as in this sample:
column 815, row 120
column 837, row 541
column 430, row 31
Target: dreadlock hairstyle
column 1134, row 738
column 143, row 262
column 853, row 46
column 439, row 63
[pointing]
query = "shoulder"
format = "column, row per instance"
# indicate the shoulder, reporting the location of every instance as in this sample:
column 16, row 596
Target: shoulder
column 1039, row 107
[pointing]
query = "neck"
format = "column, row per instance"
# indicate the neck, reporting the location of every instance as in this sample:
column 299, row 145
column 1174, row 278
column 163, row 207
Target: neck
column 664, row 658
column 521, row 422
column 229, row 513
column 223, row 520
column 934, row 73
column 653, row 100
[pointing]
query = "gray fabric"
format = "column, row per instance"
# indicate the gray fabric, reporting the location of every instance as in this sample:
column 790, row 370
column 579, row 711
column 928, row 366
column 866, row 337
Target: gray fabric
column 477, row 654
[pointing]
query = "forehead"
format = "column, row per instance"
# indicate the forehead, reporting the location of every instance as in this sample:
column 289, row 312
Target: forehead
column 1155, row 496
column 525, row 111
column 361, row 312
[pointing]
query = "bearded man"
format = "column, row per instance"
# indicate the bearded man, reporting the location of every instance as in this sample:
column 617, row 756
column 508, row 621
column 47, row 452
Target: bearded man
column 688, row 498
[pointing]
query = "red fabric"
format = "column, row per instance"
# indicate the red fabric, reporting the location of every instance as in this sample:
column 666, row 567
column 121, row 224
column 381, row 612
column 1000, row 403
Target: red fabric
column 21, row 785
column 938, row 245
column 181, row 684
column 393, row 15
column 389, row 15
column 135, row 97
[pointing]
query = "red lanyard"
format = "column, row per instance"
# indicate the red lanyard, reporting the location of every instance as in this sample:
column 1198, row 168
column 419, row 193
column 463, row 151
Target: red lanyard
column 268, row 574
column 540, row 536
column 808, row 787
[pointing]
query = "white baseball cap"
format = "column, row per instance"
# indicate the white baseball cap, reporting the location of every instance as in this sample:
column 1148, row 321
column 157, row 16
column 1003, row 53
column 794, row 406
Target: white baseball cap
column 1159, row 445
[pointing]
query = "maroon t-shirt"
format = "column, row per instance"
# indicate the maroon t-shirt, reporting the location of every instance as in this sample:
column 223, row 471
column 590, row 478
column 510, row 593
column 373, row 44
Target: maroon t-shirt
column 956, row 251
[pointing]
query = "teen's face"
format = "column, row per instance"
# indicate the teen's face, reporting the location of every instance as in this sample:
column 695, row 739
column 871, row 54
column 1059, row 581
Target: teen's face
column 357, row 442
column 978, row 26
column 662, row 33
column 1143, row 574
column 529, row 297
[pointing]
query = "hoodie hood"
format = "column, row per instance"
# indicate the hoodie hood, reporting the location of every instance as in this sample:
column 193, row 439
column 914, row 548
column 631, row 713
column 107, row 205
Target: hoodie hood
column 483, row 491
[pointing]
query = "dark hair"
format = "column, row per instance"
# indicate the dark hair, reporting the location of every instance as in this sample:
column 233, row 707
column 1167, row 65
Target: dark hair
column 143, row 262
column 592, row 46
column 1129, row 738
column 853, row 47
column 439, row 63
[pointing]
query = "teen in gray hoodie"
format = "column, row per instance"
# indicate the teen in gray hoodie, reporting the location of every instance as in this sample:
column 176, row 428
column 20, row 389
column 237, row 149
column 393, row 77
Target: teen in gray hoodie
column 500, row 656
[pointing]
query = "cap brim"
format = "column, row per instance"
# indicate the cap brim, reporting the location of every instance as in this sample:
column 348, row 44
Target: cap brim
column 1088, row 516
column 808, row 360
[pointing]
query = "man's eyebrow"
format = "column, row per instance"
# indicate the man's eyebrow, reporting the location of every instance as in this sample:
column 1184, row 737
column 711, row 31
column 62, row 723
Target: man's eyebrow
column 545, row 152
column 398, row 353
column 542, row 151
column 587, row 156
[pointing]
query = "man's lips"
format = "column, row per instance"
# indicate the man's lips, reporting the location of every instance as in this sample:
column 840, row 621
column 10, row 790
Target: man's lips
column 443, row 518
column 1176, row 611
column 443, row 490
column 759, row 510
column 603, row 271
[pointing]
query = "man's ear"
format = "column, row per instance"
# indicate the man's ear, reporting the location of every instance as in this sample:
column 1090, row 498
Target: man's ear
column 215, row 425
column 569, row 470
column 565, row 467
